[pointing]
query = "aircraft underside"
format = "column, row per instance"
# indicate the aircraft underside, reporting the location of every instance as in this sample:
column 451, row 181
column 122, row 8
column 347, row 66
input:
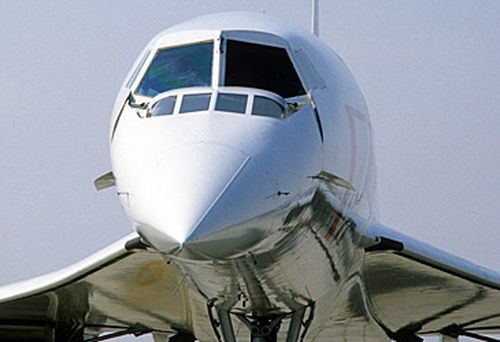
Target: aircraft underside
column 289, row 286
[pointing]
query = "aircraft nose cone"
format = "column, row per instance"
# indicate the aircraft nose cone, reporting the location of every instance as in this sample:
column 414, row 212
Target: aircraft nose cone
column 180, row 193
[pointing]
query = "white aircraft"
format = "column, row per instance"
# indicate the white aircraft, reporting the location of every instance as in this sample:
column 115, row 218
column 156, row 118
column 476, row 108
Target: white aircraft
column 241, row 152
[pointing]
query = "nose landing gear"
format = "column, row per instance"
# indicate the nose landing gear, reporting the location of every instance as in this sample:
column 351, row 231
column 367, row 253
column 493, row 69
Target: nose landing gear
column 262, row 328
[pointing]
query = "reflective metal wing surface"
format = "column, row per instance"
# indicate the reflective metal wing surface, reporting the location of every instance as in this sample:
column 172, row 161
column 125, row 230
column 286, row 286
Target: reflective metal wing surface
column 412, row 288
column 122, row 289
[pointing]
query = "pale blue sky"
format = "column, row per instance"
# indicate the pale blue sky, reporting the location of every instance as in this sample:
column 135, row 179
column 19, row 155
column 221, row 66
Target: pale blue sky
column 430, row 71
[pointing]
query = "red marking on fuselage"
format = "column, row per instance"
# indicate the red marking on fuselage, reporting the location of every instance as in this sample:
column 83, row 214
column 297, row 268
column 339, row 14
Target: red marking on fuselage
column 356, row 113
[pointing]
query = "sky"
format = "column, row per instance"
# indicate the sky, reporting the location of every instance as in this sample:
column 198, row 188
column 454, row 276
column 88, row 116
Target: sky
column 430, row 72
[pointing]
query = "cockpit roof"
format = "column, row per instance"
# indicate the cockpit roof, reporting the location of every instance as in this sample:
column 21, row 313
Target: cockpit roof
column 242, row 21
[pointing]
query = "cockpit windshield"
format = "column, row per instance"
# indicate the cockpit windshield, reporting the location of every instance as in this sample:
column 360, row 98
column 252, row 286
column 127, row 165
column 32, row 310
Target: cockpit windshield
column 178, row 67
column 262, row 67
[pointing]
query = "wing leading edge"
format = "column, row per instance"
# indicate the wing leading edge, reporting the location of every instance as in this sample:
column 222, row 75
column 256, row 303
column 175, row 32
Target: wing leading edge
column 120, row 289
column 412, row 288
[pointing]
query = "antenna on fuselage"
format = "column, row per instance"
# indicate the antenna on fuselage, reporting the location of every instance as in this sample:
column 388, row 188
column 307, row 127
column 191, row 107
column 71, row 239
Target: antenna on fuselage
column 315, row 18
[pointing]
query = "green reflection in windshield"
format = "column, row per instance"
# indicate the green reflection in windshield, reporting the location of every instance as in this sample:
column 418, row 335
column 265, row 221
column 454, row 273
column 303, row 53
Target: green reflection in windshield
column 178, row 67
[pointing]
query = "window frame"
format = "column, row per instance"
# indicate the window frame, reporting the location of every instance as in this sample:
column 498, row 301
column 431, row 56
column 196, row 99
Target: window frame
column 179, row 39
column 260, row 38
column 219, row 39
column 251, row 93
column 146, row 67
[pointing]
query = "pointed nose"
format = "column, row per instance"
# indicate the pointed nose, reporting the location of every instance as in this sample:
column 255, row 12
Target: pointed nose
column 191, row 191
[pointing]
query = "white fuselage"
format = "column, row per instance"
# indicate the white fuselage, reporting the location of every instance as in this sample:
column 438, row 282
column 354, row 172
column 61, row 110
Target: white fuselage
column 258, row 211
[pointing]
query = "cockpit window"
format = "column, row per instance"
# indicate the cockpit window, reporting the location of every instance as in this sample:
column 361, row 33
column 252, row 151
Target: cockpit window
column 264, row 106
column 262, row 67
column 195, row 103
column 235, row 103
column 164, row 106
column 242, row 101
column 178, row 67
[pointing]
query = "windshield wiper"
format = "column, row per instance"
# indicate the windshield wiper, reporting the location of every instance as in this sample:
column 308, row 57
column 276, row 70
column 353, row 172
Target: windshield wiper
column 132, row 102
